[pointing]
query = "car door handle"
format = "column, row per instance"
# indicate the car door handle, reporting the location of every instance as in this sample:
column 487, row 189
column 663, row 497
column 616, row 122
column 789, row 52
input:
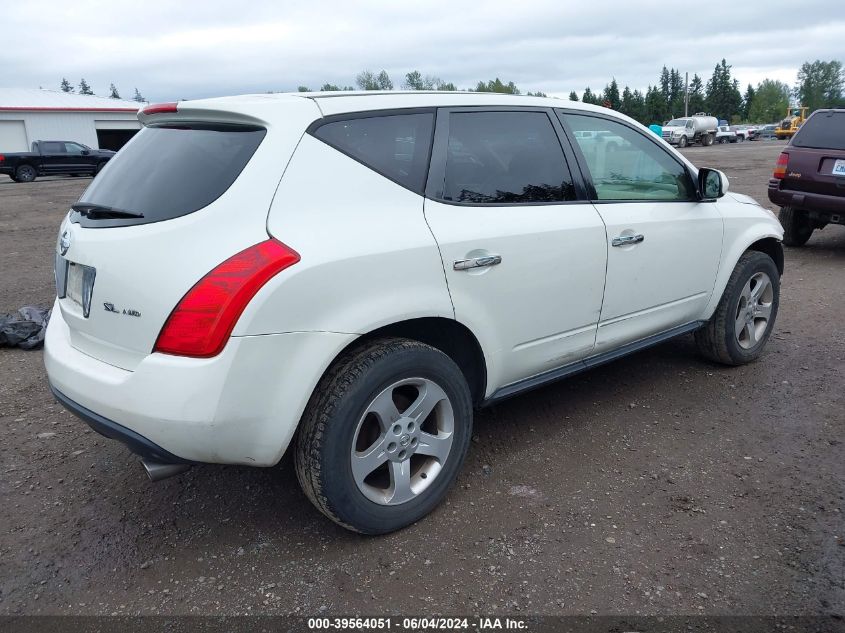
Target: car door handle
column 624, row 240
column 477, row 262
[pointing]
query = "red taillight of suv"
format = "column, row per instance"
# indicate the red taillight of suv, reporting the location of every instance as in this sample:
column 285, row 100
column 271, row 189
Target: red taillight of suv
column 160, row 108
column 780, row 166
column 201, row 323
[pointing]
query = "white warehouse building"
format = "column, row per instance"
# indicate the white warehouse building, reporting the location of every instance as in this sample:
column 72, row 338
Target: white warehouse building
column 28, row 115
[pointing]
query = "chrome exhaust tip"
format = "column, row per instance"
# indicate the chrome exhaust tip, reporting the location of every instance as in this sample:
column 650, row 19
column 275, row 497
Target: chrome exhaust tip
column 157, row 471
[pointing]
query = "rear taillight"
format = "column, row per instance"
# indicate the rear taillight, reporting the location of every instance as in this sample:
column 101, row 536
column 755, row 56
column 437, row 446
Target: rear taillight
column 780, row 166
column 2, row 158
column 201, row 323
column 159, row 108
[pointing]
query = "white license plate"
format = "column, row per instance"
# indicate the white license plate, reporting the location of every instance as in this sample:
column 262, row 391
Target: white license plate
column 839, row 167
column 80, row 285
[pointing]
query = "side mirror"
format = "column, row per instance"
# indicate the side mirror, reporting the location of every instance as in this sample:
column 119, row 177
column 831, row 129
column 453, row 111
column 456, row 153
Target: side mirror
column 85, row 152
column 712, row 184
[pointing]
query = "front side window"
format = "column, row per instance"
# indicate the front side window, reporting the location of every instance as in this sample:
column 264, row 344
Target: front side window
column 505, row 157
column 396, row 145
column 73, row 148
column 625, row 165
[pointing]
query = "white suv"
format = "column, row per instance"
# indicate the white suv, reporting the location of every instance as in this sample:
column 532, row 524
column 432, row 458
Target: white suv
column 354, row 273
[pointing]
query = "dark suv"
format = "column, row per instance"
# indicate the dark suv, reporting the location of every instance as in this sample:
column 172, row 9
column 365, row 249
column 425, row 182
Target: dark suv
column 809, row 179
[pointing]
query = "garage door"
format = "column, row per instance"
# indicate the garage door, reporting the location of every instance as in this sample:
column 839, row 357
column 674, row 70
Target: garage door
column 13, row 137
column 115, row 134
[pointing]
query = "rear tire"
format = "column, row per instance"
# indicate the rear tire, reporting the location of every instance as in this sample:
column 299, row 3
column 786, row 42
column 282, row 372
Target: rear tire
column 25, row 173
column 737, row 332
column 365, row 456
column 707, row 140
column 797, row 228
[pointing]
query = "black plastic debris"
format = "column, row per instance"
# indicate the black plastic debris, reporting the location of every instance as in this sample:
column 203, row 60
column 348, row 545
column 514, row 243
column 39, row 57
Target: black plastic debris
column 24, row 328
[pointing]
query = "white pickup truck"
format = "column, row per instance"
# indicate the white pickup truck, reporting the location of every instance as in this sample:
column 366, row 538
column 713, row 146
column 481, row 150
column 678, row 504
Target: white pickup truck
column 724, row 134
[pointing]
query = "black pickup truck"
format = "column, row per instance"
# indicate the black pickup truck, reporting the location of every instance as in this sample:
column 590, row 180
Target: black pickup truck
column 53, row 157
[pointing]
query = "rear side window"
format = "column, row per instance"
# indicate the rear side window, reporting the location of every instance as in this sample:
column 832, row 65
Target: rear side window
column 505, row 158
column 823, row 130
column 51, row 147
column 396, row 145
column 167, row 172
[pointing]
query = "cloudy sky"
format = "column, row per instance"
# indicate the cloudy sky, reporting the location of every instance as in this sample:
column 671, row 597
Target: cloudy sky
column 197, row 48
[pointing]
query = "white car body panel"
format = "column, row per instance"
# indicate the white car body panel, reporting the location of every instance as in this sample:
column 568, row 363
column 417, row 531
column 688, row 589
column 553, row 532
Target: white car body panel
column 372, row 254
column 368, row 258
column 665, row 280
column 523, row 310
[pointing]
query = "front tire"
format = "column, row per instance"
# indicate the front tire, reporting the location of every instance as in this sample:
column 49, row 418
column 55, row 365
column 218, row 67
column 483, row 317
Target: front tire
column 797, row 228
column 384, row 435
column 743, row 321
column 682, row 142
column 25, row 173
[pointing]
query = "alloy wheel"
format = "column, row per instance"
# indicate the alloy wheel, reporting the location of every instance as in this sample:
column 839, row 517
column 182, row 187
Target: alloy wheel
column 402, row 441
column 754, row 310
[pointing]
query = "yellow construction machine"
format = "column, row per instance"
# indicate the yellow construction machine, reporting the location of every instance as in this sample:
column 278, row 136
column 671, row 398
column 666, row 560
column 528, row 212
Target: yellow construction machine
column 789, row 126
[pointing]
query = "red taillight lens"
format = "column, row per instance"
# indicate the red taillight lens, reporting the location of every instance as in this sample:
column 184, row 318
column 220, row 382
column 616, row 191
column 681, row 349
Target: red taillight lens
column 780, row 166
column 2, row 158
column 201, row 323
column 159, row 108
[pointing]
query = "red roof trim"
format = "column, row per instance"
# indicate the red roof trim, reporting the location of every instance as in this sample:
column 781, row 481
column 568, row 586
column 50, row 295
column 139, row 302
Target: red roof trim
column 51, row 109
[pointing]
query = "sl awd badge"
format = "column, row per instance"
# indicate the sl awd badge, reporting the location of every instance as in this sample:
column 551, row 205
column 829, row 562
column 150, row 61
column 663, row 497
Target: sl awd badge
column 128, row 312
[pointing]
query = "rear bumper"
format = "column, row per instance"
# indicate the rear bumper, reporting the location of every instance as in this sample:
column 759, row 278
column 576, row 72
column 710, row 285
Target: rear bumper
column 240, row 407
column 7, row 170
column 136, row 443
column 833, row 205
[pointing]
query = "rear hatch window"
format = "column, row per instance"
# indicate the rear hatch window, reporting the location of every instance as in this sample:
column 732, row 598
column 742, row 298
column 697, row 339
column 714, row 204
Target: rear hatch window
column 824, row 130
column 166, row 172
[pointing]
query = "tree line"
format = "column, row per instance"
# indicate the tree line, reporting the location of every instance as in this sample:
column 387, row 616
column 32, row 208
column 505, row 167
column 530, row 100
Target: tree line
column 85, row 89
column 821, row 84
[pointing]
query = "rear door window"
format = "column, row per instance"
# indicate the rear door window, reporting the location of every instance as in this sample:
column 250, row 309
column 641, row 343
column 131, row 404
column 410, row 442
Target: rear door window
column 51, row 147
column 505, row 158
column 167, row 172
column 823, row 130
column 394, row 145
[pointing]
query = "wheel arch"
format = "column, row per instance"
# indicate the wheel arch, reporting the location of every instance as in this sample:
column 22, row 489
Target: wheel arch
column 756, row 238
column 448, row 335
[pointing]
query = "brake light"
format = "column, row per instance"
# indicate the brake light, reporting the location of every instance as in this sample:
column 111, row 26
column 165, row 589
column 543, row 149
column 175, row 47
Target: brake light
column 201, row 323
column 159, row 108
column 2, row 158
column 780, row 166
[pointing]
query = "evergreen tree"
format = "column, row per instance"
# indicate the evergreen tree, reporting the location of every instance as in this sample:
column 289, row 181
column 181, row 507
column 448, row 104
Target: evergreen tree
column 84, row 88
column 138, row 97
column 655, row 105
column 696, row 95
column 303, row 89
column 747, row 102
column 588, row 97
column 496, row 85
column 573, row 96
column 66, row 87
column 611, row 95
column 723, row 97
column 114, row 93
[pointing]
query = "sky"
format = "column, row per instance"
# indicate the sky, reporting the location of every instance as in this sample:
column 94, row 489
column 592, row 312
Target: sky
column 192, row 49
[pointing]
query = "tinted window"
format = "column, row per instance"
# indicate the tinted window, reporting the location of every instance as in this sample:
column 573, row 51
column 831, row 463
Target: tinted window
column 626, row 165
column 167, row 172
column 396, row 146
column 824, row 130
column 73, row 148
column 505, row 157
column 51, row 147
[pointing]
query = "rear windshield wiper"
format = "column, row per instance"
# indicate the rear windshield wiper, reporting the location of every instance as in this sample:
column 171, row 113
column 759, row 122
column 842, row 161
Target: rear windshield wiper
column 94, row 211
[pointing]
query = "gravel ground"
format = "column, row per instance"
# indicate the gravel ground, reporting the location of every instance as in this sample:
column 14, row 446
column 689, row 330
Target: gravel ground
column 657, row 484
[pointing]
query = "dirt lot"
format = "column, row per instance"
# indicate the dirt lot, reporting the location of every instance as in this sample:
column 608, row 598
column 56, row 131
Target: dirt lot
column 658, row 484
